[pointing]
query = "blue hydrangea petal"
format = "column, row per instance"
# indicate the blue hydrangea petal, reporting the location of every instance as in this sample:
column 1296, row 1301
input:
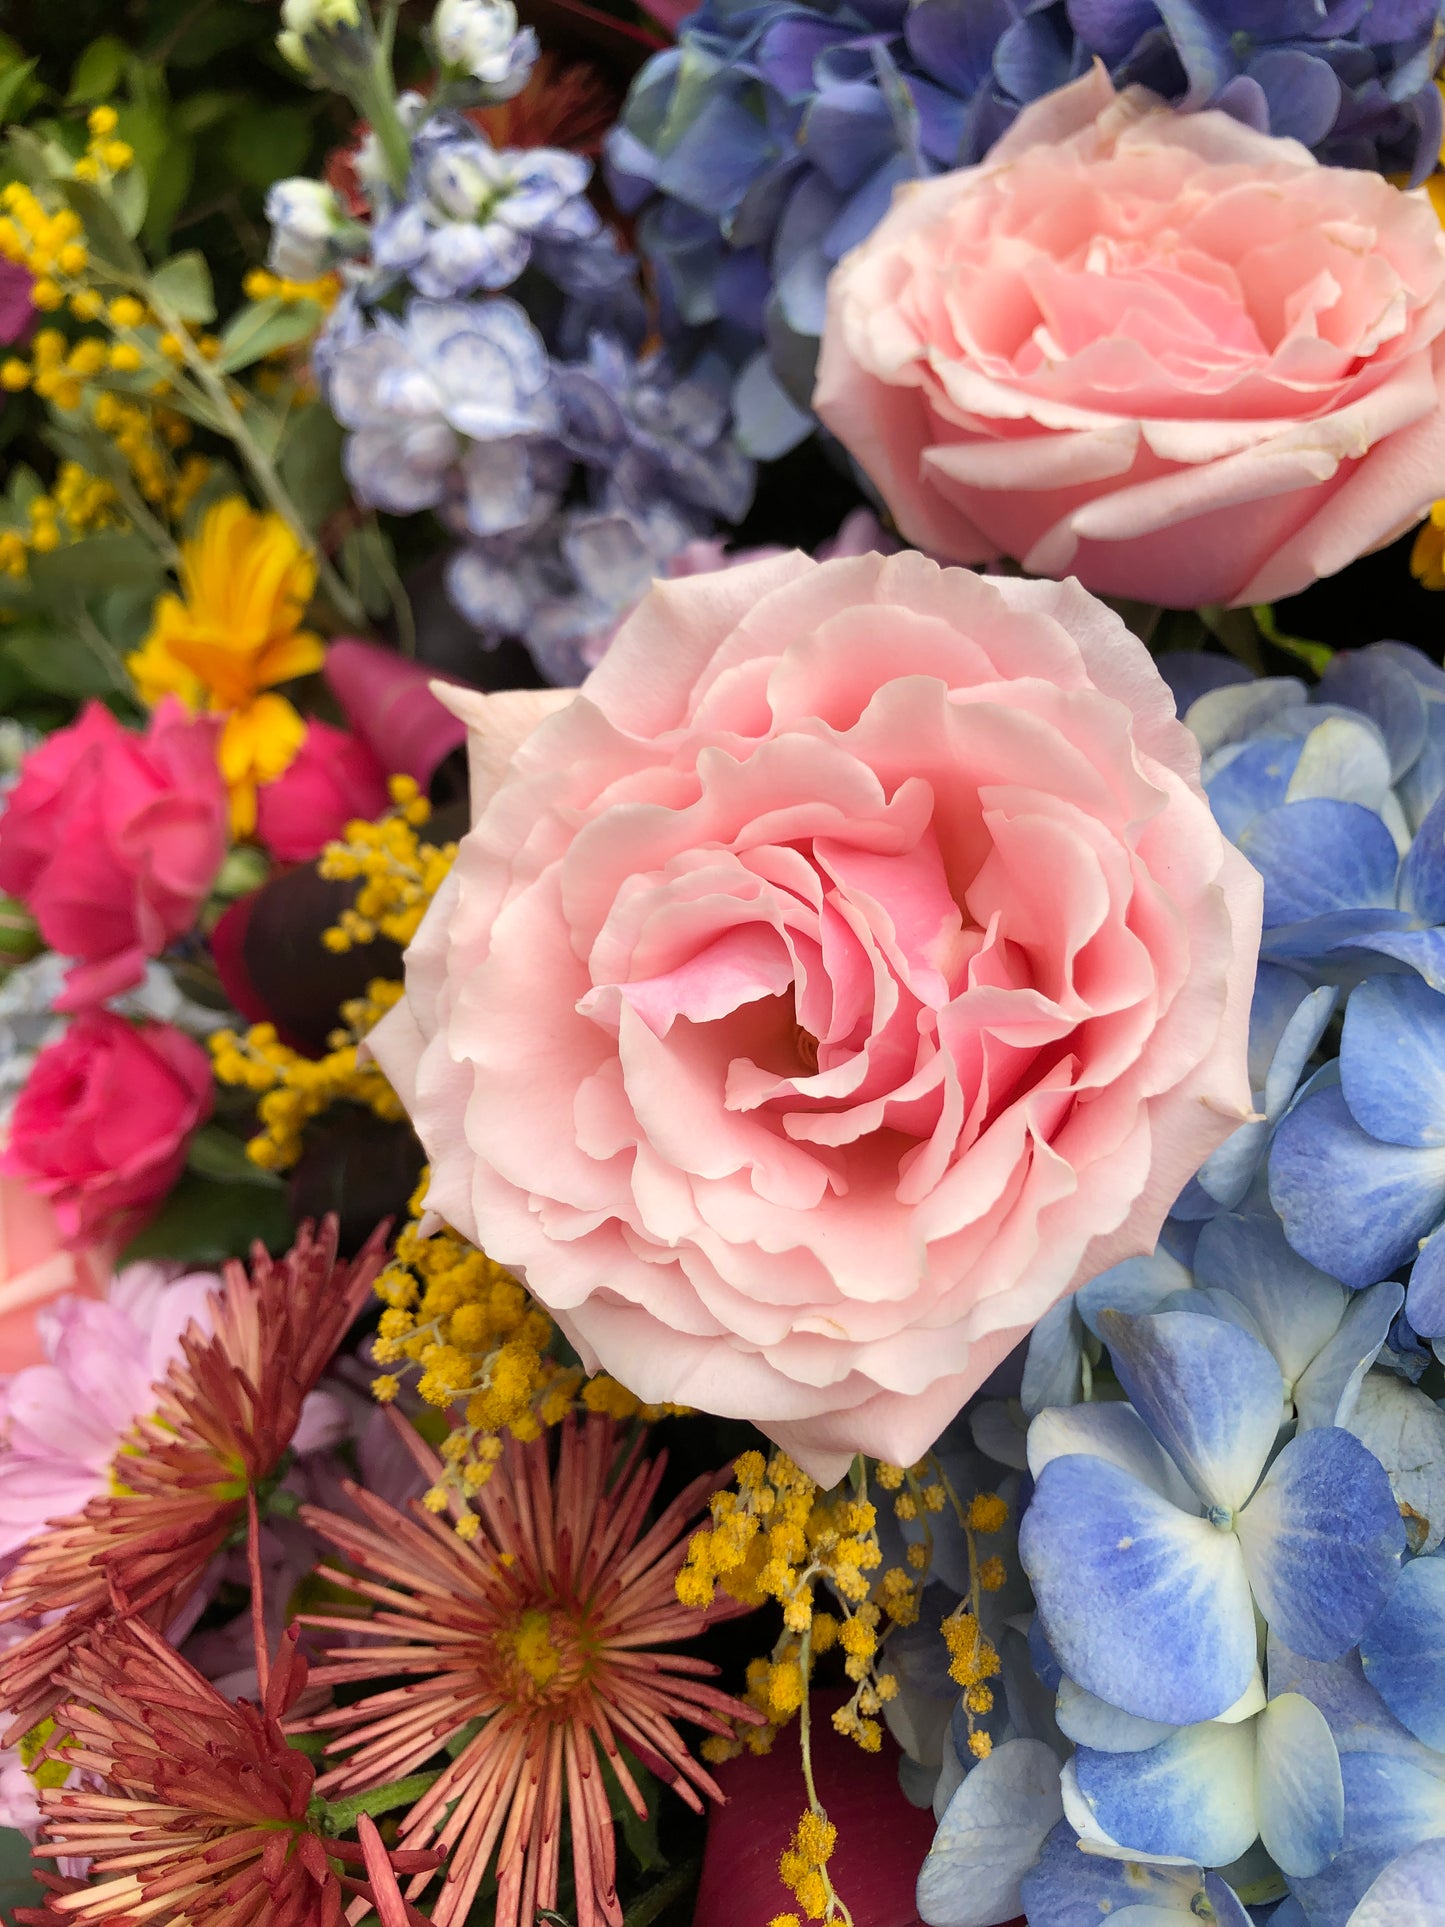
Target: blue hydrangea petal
column 1296, row 1046
column 1382, row 688
column 1299, row 1790
column 1053, row 1364
column 1134, row 1285
column 1343, row 757
column 1294, row 1307
column 1210, row 1394
column 1422, row 951
column 1321, row 856
column 1144, row 1606
column 1235, row 709
column 1425, row 1303
column 1192, row 1796
column 1322, row 1540
column 1190, row 673
column 1113, row 1432
column 1403, row 1652
column 1392, row 1801
column 990, row 1835
column 1328, row 1389
column 1405, row 1430
column 1303, row 93
column 1069, row 1887
column 1412, row 1888
column 1422, row 875
column 1089, row 1721
column 1355, row 1207
column 1278, row 996
column 1250, row 779
column 1392, row 1061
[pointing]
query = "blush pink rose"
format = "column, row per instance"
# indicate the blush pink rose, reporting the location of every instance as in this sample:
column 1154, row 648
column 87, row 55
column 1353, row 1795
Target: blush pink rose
column 1162, row 352
column 850, row 969
column 112, row 839
column 333, row 780
column 100, row 1128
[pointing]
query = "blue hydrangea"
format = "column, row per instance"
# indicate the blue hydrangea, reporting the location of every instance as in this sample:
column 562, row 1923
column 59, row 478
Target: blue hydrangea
column 771, row 138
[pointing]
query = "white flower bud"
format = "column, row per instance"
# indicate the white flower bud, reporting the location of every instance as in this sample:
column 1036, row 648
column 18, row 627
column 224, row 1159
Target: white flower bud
column 480, row 38
column 305, row 219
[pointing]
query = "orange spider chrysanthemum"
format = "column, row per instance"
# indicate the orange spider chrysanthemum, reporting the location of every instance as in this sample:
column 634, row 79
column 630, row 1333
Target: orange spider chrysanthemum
column 232, row 634
column 224, row 1417
column 199, row 1811
column 543, row 1627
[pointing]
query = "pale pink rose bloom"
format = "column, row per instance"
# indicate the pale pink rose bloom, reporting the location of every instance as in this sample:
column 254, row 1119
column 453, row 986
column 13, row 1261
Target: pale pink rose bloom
column 1162, row 352
column 850, row 969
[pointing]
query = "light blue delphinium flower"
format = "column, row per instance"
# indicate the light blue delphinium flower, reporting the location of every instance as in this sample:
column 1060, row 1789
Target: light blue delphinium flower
column 310, row 231
column 1357, row 1169
column 451, row 404
column 474, row 214
column 1156, row 1528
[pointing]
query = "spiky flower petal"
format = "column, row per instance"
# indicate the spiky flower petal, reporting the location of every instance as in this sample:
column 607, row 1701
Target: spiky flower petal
column 223, row 1420
column 542, row 1627
column 204, row 1813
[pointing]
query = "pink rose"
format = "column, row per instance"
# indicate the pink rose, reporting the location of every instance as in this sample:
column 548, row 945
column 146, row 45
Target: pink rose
column 1159, row 351
column 333, row 780
column 112, row 840
column 101, row 1126
column 850, row 969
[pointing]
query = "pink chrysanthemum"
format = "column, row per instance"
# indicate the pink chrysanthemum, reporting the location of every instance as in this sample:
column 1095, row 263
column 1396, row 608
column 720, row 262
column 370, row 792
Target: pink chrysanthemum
column 202, row 1812
column 223, row 1418
column 542, row 1627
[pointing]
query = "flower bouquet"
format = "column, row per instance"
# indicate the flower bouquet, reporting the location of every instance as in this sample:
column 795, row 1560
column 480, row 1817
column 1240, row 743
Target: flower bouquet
column 722, row 964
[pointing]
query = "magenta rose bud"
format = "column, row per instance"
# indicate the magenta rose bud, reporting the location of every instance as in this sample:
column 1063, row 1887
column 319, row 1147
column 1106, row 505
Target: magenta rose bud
column 851, row 968
column 333, row 780
column 112, row 840
column 1162, row 352
column 102, row 1123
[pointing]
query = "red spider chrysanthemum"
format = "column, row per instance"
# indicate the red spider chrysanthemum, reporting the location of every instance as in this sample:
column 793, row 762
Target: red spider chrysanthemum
column 224, row 1417
column 203, row 1815
column 543, row 1628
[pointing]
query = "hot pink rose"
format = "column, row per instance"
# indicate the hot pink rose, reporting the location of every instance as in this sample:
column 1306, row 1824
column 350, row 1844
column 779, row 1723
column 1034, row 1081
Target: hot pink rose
column 1159, row 351
column 101, row 1126
column 112, row 839
column 847, row 971
column 333, row 780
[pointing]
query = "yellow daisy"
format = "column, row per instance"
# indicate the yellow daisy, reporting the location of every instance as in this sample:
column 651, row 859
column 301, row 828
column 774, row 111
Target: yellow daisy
column 234, row 632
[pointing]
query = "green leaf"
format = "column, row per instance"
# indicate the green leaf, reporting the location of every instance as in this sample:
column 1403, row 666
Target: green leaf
column 130, row 197
column 101, row 562
column 98, row 71
column 17, row 94
column 310, row 463
column 215, row 28
column 143, row 125
column 215, row 1153
column 29, row 156
column 18, row 1885
column 204, row 1223
column 368, row 567
column 265, row 144
column 56, row 660
column 107, row 235
column 184, row 284
column 170, row 183
column 262, row 326
column 198, row 113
